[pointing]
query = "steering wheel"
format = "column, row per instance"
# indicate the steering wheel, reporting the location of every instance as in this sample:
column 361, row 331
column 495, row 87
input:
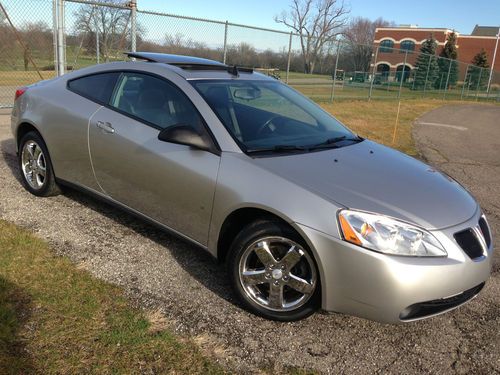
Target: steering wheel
column 267, row 123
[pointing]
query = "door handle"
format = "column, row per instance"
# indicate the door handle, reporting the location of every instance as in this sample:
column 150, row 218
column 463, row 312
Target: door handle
column 106, row 127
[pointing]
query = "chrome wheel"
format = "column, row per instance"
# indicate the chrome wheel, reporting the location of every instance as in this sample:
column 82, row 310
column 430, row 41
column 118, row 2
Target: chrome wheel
column 33, row 165
column 277, row 274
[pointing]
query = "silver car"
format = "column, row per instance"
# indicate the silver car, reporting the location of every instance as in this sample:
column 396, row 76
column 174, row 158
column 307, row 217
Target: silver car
column 305, row 213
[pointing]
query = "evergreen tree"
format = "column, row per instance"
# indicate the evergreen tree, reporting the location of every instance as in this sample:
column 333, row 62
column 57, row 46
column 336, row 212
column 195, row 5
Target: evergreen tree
column 478, row 74
column 449, row 55
column 426, row 65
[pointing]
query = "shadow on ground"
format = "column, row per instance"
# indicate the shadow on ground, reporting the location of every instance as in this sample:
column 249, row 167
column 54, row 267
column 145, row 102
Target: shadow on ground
column 14, row 313
column 190, row 257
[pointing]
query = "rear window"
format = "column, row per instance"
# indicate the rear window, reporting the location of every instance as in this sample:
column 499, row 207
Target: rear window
column 96, row 87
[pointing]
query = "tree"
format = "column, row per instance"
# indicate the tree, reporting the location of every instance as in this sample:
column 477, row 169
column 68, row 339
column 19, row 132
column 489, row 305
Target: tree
column 359, row 36
column 426, row 66
column 478, row 74
column 111, row 23
column 449, row 55
column 38, row 39
column 318, row 22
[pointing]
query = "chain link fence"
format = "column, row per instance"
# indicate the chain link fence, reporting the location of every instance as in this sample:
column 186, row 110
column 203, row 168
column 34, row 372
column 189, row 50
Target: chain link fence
column 40, row 39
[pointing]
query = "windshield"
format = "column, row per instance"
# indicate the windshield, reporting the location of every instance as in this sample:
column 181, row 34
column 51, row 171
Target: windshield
column 270, row 116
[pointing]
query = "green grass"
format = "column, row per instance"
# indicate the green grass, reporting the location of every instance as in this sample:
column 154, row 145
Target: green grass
column 297, row 75
column 376, row 119
column 56, row 318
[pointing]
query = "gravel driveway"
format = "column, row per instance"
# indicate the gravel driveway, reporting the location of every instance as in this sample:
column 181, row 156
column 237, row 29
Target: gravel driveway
column 162, row 272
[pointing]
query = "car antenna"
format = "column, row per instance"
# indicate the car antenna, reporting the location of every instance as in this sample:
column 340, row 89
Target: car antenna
column 233, row 70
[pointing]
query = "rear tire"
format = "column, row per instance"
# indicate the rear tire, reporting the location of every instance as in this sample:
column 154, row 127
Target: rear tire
column 37, row 174
column 273, row 272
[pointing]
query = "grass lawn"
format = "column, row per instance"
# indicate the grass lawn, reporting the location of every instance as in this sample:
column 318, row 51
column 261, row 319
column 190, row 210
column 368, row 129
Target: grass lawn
column 55, row 318
column 376, row 119
column 298, row 75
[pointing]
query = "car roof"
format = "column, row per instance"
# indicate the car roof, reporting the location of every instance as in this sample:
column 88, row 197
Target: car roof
column 194, row 68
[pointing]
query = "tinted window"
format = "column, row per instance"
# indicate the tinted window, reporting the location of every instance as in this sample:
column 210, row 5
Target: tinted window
column 154, row 100
column 97, row 87
column 406, row 45
column 386, row 46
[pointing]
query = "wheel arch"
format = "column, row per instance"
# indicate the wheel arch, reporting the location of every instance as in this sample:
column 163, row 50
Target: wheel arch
column 24, row 128
column 242, row 216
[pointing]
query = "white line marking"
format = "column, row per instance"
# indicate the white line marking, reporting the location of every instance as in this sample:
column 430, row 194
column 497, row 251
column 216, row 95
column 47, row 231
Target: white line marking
column 462, row 128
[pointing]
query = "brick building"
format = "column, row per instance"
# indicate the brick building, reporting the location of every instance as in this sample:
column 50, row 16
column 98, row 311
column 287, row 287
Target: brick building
column 393, row 42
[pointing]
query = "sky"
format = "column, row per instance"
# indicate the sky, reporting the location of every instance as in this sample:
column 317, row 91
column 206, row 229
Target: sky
column 461, row 15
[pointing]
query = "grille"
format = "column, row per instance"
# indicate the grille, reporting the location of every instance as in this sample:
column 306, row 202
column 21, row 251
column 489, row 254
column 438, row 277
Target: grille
column 420, row 310
column 486, row 231
column 469, row 242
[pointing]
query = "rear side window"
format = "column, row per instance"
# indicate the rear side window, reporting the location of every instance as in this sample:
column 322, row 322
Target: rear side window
column 96, row 87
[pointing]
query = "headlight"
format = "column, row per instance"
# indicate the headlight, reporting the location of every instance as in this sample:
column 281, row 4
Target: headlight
column 387, row 235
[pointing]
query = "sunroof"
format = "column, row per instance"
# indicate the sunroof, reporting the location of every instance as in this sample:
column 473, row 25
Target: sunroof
column 174, row 59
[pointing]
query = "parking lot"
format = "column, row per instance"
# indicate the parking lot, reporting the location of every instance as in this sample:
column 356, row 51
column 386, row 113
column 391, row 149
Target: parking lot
column 162, row 272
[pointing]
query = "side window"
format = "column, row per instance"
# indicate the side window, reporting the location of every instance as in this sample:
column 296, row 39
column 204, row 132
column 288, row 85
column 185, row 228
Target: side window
column 386, row 46
column 154, row 100
column 97, row 87
column 406, row 45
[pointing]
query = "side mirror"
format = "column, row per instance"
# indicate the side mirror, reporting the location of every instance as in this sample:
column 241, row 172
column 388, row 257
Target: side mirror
column 185, row 135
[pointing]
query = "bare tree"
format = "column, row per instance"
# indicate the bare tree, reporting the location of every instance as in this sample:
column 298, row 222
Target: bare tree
column 37, row 37
column 318, row 22
column 110, row 22
column 359, row 35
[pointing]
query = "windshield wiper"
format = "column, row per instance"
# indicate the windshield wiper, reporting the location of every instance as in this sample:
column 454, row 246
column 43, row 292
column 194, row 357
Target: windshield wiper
column 277, row 148
column 332, row 142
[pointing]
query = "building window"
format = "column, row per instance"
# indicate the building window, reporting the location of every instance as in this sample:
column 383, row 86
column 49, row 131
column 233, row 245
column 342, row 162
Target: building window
column 403, row 73
column 406, row 46
column 386, row 46
column 382, row 75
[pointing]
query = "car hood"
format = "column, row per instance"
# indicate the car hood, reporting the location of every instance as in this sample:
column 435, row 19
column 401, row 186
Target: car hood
column 371, row 177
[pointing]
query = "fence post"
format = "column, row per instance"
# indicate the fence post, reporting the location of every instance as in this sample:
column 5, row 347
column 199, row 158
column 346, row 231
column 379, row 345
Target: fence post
column 335, row 71
column 450, row 61
column 402, row 75
column 54, row 35
column 493, row 64
column 479, row 81
column 133, row 25
column 225, row 42
column 61, row 55
column 427, row 74
column 373, row 74
column 289, row 57
column 97, row 42
column 465, row 80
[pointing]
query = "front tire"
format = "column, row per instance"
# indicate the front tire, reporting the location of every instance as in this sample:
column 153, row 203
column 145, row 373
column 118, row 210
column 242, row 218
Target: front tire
column 273, row 272
column 37, row 174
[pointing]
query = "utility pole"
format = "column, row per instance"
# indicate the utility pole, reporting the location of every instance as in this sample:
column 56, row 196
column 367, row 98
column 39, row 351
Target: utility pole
column 493, row 63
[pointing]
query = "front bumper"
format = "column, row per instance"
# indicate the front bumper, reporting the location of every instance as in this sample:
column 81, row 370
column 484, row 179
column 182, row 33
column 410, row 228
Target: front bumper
column 380, row 287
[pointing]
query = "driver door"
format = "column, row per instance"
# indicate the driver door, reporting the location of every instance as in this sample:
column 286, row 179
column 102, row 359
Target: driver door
column 170, row 183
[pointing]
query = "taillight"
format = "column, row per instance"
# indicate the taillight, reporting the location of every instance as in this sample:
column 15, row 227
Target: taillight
column 20, row 91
